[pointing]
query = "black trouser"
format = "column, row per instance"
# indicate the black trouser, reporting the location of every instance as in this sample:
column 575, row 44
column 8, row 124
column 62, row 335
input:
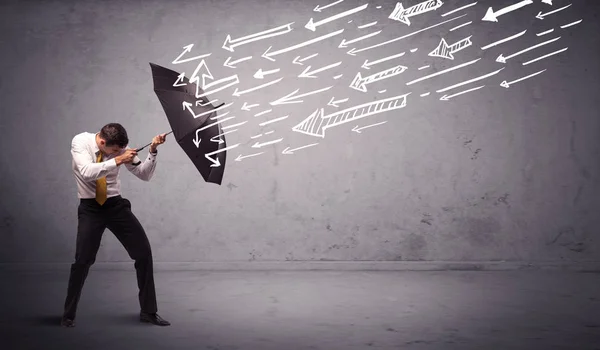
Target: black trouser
column 115, row 215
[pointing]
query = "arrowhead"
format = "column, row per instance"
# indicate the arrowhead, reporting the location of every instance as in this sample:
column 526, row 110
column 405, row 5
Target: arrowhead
column 227, row 44
column 285, row 151
column 357, row 84
column 256, row 145
column 444, row 98
column 295, row 61
column 239, row 157
column 188, row 48
column 539, row 15
column 352, row 52
column 186, row 104
column 330, row 103
column 504, row 84
column 442, row 50
column 343, row 44
column 266, row 54
column 356, row 129
column 490, row 16
column 245, row 106
column 365, row 66
column 227, row 64
column 216, row 162
column 259, row 74
column 305, row 73
column 501, row 59
column 403, row 19
column 310, row 25
column 197, row 142
column 236, row 93
column 317, row 9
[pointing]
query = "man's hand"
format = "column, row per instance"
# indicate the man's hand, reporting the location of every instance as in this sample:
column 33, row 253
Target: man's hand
column 157, row 140
column 126, row 157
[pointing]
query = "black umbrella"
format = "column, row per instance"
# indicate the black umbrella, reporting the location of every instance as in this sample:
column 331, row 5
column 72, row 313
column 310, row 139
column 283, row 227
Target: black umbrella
column 194, row 133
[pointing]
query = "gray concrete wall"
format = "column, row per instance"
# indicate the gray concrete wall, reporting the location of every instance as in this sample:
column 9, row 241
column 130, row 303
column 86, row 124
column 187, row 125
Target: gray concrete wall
column 492, row 174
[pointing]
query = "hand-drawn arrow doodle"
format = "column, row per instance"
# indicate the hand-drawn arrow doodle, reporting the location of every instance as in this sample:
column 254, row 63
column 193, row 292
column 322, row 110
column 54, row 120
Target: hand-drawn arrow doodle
column 359, row 83
column 293, row 98
column 318, row 8
column 231, row 64
column 507, row 84
column 541, row 16
column 269, row 55
column 401, row 14
column 287, row 150
column 229, row 43
column 367, row 64
column 317, row 122
column 216, row 162
column 307, row 74
column 313, row 25
column 185, row 50
column 492, row 16
column 503, row 59
column 334, row 103
column 240, row 157
column 445, row 51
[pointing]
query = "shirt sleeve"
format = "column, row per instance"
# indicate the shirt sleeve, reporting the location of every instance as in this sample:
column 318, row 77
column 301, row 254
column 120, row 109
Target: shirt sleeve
column 84, row 162
column 145, row 169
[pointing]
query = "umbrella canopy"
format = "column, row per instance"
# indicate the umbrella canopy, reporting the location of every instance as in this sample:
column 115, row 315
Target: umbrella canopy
column 196, row 133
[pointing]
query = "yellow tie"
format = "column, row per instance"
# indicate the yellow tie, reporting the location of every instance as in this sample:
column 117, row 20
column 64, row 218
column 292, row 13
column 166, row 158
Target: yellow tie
column 100, row 185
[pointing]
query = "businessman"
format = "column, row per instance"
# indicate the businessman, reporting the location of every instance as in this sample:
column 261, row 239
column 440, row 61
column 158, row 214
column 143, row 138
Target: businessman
column 97, row 158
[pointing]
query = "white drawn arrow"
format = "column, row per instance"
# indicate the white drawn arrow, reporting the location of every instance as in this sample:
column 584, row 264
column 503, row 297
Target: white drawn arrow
column 180, row 79
column 259, row 145
column 186, row 50
column 541, row 16
column 504, row 40
column 307, row 74
column 492, row 16
column 240, row 157
column 503, row 59
column 189, row 107
column 345, row 43
column 216, row 162
column 292, row 97
column 358, row 130
column 401, row 14
column 220, row 140
column 359, row 83
column 287, row 150
column 335, row 103
column 299, row 61
column 354, row 51
column 247, row 107
column 239, row 93
column 445, row 51
column 318, row 122
column 229, row 43
column 268, row 55
column 260, row 74
column 208, row 75
column 447, row 97
column 368, row 64
column 507, row 84
column 231, row 64
column 313, row 25
column 318, row 8
column 549, row 2
column 197, row 139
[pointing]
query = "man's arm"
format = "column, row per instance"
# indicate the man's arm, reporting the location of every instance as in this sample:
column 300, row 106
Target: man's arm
column 145, row 170
column 84, row 162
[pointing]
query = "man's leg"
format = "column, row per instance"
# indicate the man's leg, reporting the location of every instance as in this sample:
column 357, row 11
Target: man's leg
column 128, row 230
column 90, row 227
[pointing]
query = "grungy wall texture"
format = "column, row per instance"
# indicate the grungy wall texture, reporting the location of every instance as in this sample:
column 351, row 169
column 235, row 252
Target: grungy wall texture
column 487, row 173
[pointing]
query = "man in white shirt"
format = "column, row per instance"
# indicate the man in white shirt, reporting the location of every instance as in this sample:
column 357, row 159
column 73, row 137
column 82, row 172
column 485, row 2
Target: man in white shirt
column 96, row 162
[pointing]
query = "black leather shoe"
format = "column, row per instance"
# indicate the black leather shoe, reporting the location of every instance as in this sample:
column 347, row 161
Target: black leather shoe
column 67, row 322
column 154, row 319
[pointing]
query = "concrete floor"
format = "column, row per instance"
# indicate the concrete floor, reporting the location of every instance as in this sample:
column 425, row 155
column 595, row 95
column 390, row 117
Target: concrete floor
column 309, row 310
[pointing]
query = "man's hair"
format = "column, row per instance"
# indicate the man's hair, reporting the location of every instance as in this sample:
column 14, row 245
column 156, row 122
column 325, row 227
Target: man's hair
column 114, row 134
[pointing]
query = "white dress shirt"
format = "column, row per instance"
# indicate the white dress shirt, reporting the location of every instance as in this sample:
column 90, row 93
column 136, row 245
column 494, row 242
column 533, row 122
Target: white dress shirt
column 85, row 152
